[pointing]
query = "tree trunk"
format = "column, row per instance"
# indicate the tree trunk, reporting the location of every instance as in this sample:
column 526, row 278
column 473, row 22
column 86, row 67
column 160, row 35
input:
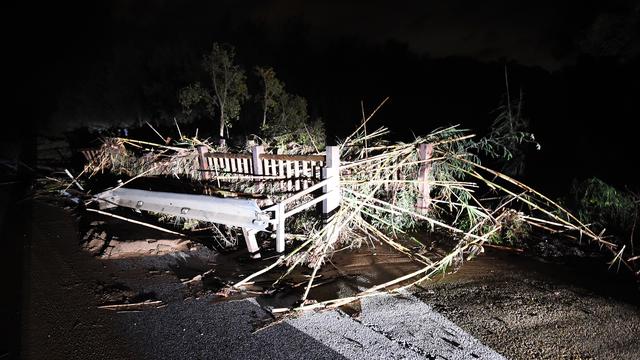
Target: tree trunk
column 264, row 106
column 221, row 123
column 264, row 117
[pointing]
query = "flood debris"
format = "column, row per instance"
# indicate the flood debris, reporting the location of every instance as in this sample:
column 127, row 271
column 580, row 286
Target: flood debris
column 379, row 185
column 384, row 191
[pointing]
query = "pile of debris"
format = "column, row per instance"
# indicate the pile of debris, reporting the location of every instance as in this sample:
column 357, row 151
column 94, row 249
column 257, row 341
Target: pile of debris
column 435, row 183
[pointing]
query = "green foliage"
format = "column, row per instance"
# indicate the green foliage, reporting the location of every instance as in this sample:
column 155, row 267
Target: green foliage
column 303, row 223
column 229, row 82
column 195, row 94
column 453, row 198
column 604, row 206
column 405, row 199
column 458, row 158
column 229, row 89
column 272, row 90
column 290, row 124
column 508, row 132
column 513, row 229
column 291, row 111
column 285, row 119
column 314, row 135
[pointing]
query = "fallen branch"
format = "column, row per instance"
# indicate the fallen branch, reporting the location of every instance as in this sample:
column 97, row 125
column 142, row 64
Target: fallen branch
column 504, row 248
column 248, row 278
column 132, row 306
column 74, row 180
column 136, row 222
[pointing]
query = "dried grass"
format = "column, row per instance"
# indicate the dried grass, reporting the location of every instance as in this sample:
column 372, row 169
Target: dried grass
column 379, row 188
column 379, row 185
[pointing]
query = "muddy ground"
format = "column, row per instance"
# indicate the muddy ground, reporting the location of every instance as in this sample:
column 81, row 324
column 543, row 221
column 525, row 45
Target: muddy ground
column 527, row 308
column 522, row 307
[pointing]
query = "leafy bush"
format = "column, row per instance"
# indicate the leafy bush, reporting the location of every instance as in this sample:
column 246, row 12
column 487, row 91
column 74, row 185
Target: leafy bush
column 605, row 207
column 508, row 133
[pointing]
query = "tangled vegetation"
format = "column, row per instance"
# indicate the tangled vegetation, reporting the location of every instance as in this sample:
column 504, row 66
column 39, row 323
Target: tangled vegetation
column 380, row 183
column 608, row 209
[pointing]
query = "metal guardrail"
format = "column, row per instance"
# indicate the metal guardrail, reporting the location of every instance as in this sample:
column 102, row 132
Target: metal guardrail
column 243, row 213
column 232, row 212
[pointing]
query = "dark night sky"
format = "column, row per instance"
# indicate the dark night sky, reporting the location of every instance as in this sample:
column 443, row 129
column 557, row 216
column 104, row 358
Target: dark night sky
column 544, row 32
column 531, row 32
column 441, row 62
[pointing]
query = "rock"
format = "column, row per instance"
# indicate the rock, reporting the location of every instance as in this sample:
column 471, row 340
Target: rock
column 94, row 246
column 574, row 251
column 94, row 242
column 88, row 235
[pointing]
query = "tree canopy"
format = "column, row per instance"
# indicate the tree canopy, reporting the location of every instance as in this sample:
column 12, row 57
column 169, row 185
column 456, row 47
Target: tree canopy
column 229, row 88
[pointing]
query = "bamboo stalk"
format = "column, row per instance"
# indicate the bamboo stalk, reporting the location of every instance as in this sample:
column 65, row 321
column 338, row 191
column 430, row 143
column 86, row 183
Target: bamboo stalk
column 137, row 305
column 135, row 222
column 258, row 273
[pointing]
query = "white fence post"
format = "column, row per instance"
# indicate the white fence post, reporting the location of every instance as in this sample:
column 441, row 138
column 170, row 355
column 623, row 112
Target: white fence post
column 424, row 199
column 256, row 151
column 331, row 170
column 280, row 237
column 252, row 243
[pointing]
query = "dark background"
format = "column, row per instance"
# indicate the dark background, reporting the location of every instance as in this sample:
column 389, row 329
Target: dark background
column 120, row 63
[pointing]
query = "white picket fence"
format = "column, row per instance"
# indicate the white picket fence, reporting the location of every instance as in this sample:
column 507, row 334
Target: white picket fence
column 303, row 174
column 299, row 171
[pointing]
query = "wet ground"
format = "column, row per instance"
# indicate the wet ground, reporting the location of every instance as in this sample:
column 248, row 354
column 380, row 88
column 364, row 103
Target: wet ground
column 521, row 307
column 530, row 308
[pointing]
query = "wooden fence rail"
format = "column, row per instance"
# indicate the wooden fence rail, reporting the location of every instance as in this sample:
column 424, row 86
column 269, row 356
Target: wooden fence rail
column 299, row 171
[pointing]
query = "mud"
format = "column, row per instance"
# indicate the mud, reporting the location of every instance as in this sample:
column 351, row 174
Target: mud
column 542, row 308
column 522, row 307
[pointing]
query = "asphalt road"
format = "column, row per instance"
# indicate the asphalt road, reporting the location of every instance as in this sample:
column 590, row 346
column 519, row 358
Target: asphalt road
column 65, row 286
column 524, row 309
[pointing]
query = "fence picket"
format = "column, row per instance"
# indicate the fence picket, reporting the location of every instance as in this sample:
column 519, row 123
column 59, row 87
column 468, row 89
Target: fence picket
column 281, row 174
column 289, row 174
column 245, row 164
column 295, row 171
column 296, row 174
column 305, row 169
column 267, row 168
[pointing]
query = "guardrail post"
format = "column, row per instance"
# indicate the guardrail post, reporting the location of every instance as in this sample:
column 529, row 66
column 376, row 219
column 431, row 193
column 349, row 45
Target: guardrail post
column 204, row 163
column 331, row 170
column 256, row 151
column 252, row 243
column 280, row 237
column 424, row 198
